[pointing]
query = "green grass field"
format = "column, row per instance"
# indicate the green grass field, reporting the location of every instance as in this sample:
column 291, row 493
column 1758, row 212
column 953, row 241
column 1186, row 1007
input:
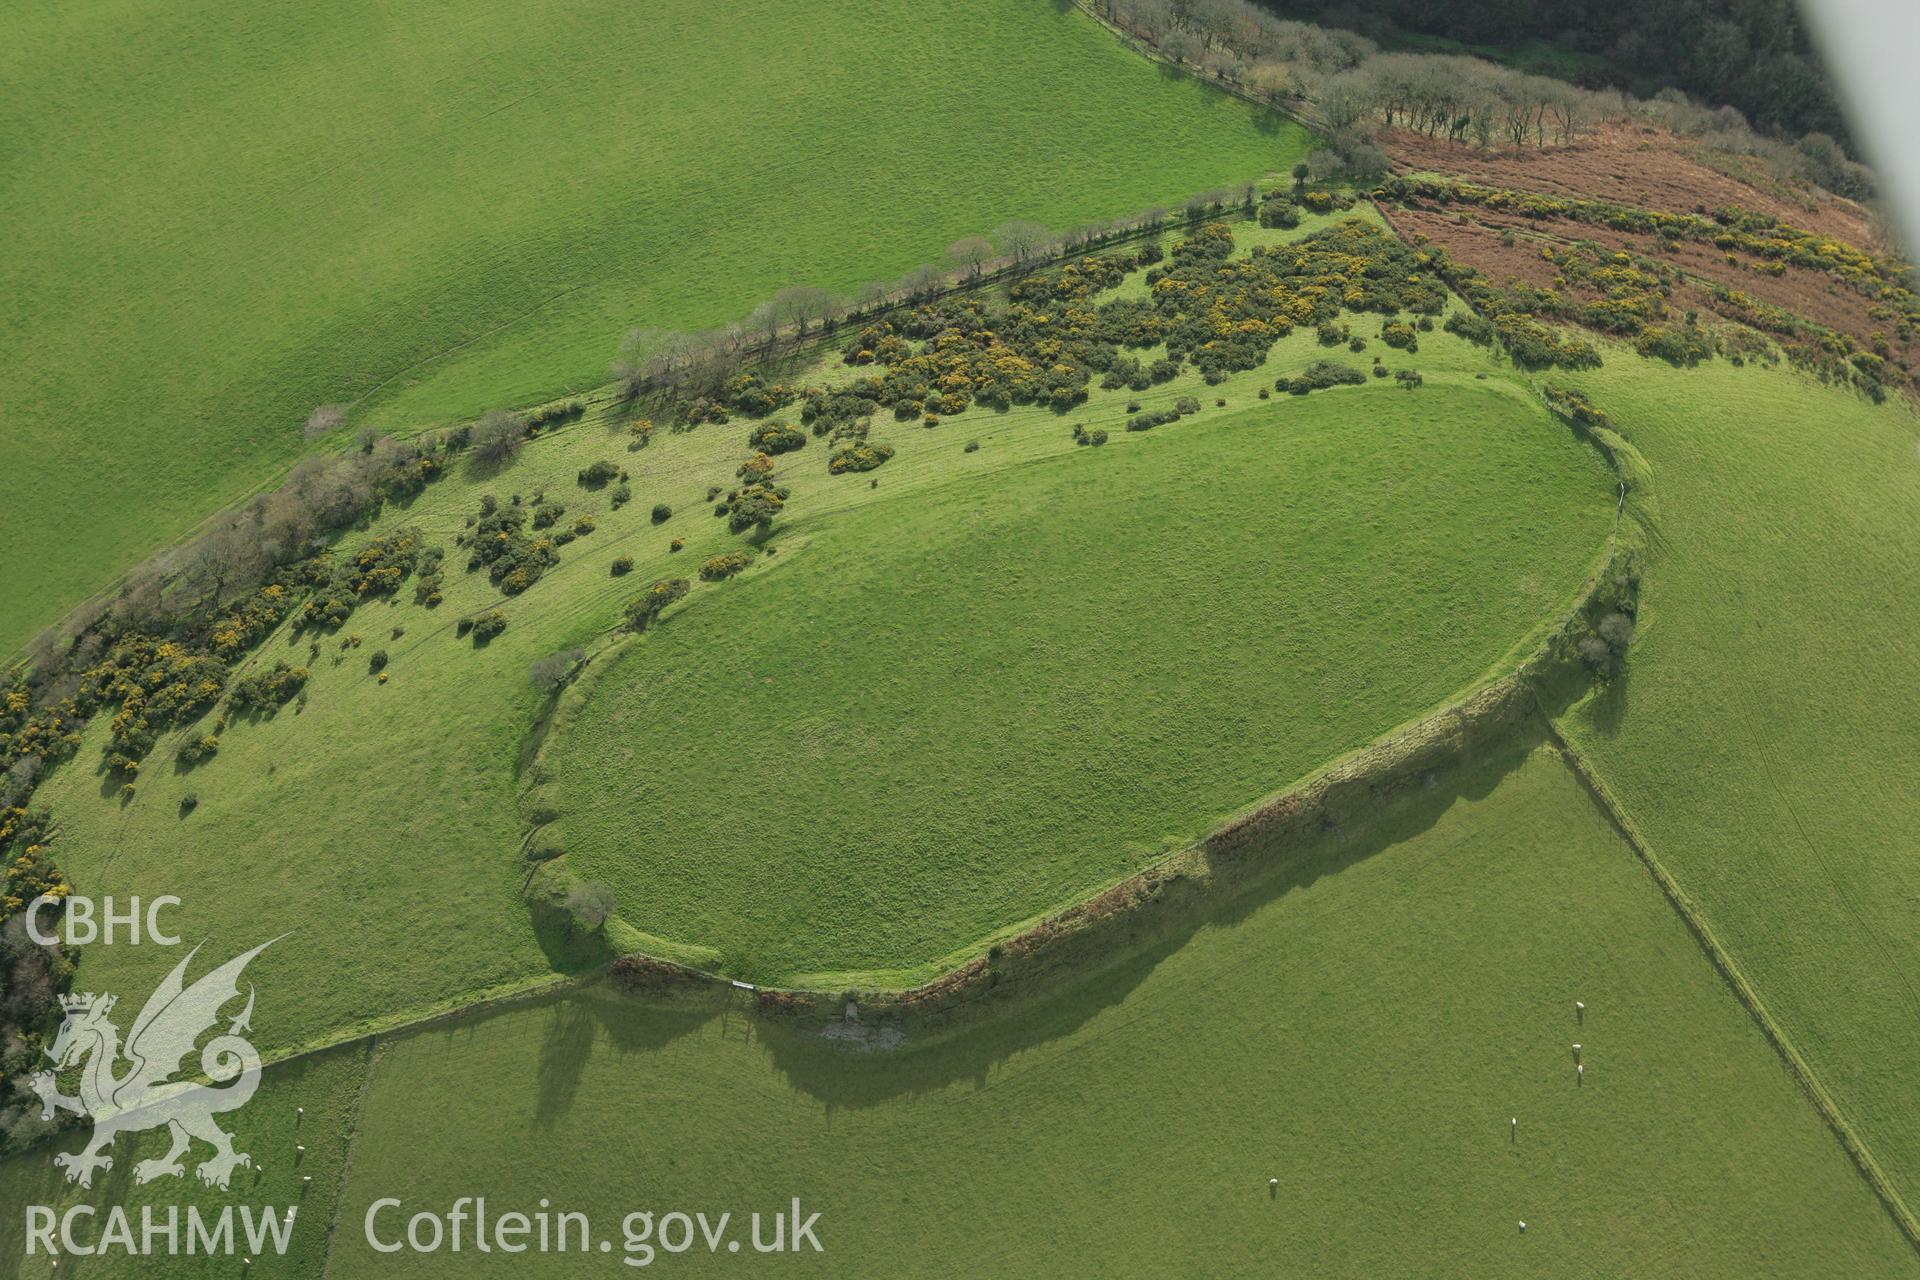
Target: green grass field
column 953, row 710
column 219, row 217
column 947, row 699
column 1762, row 738
column 1363, row 1030
column 326, row 1087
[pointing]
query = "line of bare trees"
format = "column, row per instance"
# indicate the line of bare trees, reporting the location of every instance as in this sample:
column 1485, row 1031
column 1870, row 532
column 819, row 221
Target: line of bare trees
column 692, row 365
column 1346, row 81
column 240, row 550
column 1343, row 83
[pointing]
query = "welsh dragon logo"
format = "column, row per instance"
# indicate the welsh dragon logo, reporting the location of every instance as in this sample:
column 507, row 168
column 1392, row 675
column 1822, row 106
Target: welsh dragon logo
column 146, row 1095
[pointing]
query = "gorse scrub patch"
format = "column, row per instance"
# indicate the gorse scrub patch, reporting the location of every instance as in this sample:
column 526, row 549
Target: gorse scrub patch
column 265, row 690
column 725, row 566
column 644, row 609
column 1219, row 313
column 499, row 542
column 776, row 437
column 1629, row 295
column 858, row 455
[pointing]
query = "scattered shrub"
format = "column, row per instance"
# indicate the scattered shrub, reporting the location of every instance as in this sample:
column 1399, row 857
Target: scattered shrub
column 549, row 673
column 488, row 625
column 1475, row 329
column 1278, row 210
column 752, row 507
column 662, row 513
column 197, row 748
column 1148, row 421
column 597, row 476
column 858, row 456
column 377, row 661
column 266, row 690
column 776, row 437
column 725, row 566
column 622, row 566
column 497, row 437
column 1319, row 374
column 644, row 609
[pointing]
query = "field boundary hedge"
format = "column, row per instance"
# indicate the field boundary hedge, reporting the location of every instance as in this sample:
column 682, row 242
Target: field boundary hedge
column 1636, row 487
column 1744, row 990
